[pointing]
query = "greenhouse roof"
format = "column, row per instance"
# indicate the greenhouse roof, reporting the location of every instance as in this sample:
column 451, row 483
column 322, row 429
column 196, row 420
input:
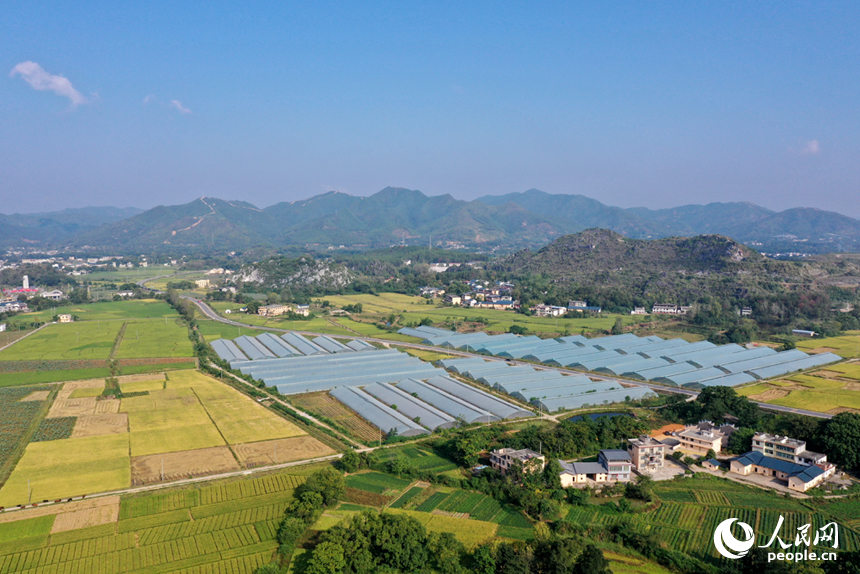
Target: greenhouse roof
column 302, row 345
column 483, row 400
column 682, row 379
column 572, row 339
column 610, row 339
column 446, row 402
column 578, row 401
column 744, row 355
column 593, row 387
column 359, row 345
column 680, row 350
column 632, row 344
column 228, row 351
column 659, row 346
column 719, row 351
column 427, row 415
column 607, row 360
column 495, row 380
column 331, row 345
column 654, row 373
column 376, row 413
column 560, row 381
column 253, row 348
column 276, row 345
column 798, row 365
column 724, row 381
column 761, row 362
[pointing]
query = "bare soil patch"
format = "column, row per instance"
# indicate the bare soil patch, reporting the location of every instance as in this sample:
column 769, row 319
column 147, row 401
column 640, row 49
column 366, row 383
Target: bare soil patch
column 853, row 386
column 818, row 350
column 37, row 396
column 86, row 517
column 770, row 395
column 140, row 378
column 838, row 410
column 95, row 425
column 72, row 407
column 75, row 506
column 107, row 406
column 87, row 384
column 285, row 449
column 182, row 464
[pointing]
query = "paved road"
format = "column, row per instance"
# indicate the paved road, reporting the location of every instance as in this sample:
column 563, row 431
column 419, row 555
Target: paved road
column 209, row 312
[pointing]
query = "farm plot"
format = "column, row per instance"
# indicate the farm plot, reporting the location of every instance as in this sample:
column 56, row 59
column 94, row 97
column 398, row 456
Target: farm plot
column 233, row 532
column 168, row 338
column 846, row 346
column 68, row 467
column 108, row 311
column 474, row 505
column 420, row 458
column 183, row 464
column 470, row 532
column 18, row 418
column 100, row 424
column 327, row 407
column 826, row 391
column 280, row 450
column 169, row 420
column 63, row 341
column 238, row 417
column 54, row 429
column 376, row 482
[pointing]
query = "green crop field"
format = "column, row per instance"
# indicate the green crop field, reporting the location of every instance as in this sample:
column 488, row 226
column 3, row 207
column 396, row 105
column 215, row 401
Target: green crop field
column 212, row 330
column 846, row 346
column 417, row 457
column 692, row 507
column 376, row 482
column 85, row 340
column 106, row 311
column 414, row 309
column 224, row 528
column 812, row 392
column 155, row 339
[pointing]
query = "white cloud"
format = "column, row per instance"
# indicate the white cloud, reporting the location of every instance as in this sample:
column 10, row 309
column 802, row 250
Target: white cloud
column 811, row 147
column 39, row 79
column 176, row 104
column 149, row 98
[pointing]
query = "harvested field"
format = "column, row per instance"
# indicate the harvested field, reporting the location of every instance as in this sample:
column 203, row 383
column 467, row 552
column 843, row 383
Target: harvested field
column 182, row 464
column 140, row 378
column 85, row 517
column 86, row 384
column 329, row 407
column 107, row 406
column 852, row 386
column 770, row 394
column 95, row 425
column 69, row 507
column 37, row 396
column 838, row 410
column 286, row 449
column 72, row 407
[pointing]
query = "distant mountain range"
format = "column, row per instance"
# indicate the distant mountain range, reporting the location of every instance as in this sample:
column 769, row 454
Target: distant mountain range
column 503, row 223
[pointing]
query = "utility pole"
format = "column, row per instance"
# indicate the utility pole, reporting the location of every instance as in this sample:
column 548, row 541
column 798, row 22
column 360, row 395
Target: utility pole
column 162, row 469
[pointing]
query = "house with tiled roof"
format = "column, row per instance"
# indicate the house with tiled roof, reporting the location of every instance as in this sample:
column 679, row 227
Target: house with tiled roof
column 799, row 477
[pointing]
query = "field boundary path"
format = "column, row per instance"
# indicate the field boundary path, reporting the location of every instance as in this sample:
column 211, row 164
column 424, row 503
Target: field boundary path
column 116, row 344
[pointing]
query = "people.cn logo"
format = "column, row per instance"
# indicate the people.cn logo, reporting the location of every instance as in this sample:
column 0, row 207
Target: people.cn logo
column 728, row 545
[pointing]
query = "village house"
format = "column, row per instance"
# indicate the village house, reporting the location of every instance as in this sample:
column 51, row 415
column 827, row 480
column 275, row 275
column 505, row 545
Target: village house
column 202, row 283
column 273, row 310
column 785, row 448
column 64, row 318
column 303, row 310
column 55, row 295
column 612, row 466
column 432, row 292
column 798, row 477
column 504, row 458
column 582, row 306
column 639, row 311
column 453, row 299
column 544, row 310
column 665, row 309
column 646, row 453
column 700, row 441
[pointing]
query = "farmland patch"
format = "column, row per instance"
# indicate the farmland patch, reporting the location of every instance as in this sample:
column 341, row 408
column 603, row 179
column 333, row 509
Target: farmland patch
column 182, row 464
column 326, row 406
column 101, row 424
column 280, row 450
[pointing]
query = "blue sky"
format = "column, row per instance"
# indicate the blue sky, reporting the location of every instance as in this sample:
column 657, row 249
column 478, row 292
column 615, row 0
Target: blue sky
column 656, row 104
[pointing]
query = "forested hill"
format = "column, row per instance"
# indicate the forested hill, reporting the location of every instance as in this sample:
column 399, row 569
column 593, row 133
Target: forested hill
column 672, row 270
